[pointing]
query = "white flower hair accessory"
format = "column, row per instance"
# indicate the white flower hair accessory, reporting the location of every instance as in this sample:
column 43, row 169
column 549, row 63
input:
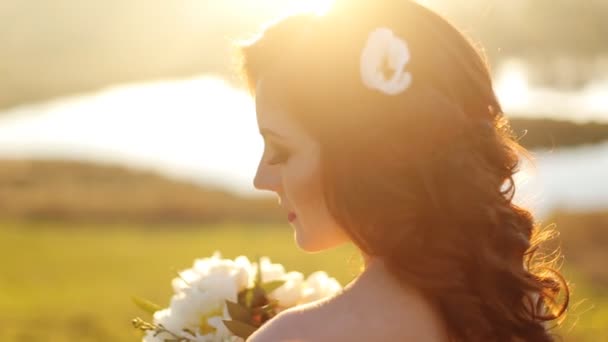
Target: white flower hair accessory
column 385, row 50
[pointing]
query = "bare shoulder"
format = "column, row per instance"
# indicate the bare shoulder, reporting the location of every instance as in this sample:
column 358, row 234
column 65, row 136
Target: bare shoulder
column 392, row 319
column 297, row 324
column 410, row 318
column 283, row 327
column 349, row 319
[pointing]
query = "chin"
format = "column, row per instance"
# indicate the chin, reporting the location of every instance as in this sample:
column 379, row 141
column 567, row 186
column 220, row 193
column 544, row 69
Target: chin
column 305, row 244
column 311, row 244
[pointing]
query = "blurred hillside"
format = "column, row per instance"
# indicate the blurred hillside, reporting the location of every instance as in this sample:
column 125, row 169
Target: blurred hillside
column 53, row 48
column 549, row 134
column 74, row 191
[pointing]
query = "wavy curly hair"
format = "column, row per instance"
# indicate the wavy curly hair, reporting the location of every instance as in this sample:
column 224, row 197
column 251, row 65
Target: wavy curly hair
column 423, row 179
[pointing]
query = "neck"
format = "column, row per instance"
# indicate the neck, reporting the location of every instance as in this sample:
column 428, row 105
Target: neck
column 373, row 267
column 369, row 260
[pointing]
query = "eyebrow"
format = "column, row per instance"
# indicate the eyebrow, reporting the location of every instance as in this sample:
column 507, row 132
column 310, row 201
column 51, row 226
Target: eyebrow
column 264, row 132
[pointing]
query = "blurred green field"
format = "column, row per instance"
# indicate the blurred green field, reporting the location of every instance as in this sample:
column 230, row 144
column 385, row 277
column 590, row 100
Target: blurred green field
column 61, row 282
column 73, row 283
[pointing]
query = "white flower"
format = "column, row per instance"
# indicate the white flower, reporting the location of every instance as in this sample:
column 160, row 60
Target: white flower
column 270, row 271
column 384, row 49
column 149, row 337
column 165, row 318
column 186, row 277
column 199, row 300
column 246, row 274
column 220, row 329
column 213, row 272
column 290, row 293
column 201, row 291
column 319, row 285
column 190, row 306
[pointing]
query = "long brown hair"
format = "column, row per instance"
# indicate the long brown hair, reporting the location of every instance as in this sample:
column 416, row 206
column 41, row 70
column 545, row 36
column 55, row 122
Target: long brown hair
column 423, row 179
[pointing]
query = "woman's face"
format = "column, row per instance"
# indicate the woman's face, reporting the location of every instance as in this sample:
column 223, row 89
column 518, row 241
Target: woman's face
column 290, row 167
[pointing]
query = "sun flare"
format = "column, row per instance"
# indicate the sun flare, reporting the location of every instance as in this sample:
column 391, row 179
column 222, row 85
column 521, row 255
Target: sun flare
column 316, row 6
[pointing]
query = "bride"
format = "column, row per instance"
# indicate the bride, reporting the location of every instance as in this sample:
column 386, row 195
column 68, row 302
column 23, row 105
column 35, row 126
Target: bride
column 381, row 128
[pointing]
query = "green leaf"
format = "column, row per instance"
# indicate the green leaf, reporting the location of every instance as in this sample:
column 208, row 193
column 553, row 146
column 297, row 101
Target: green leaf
column 242, row 297
column 273, row 285
column 249, row 297
column 238, row 312
column 259, row 297
column 190, row 332
column 270, row 307
column 240, row 329
column 146, row 305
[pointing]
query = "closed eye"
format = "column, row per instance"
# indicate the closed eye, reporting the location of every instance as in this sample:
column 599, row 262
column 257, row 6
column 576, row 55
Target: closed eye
column 280, row 155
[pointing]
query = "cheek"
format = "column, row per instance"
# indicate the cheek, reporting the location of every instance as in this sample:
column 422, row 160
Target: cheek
column 302, row 186
column 315, row 228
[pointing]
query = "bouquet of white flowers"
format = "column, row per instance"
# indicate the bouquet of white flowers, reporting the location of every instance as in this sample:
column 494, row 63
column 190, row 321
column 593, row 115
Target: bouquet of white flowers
column 227, row 300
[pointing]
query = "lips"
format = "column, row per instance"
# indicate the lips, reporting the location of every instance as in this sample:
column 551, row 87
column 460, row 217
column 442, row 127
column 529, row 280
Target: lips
column 291, row 216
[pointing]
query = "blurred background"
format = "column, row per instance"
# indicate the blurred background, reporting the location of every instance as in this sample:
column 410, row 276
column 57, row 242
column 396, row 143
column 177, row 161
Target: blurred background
column 128, row 147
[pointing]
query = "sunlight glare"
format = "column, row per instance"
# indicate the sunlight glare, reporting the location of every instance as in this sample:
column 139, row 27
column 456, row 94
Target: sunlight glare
column 512, row 86
column 318, row 7
column 426, row 3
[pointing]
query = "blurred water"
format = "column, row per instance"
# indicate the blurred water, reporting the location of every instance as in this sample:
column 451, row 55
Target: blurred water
column 519, row 97
column 569, row 178
column 200, row 129
column 203, row 129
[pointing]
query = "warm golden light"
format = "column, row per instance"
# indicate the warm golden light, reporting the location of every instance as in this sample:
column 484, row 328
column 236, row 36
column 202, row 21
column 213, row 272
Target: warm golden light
column 316, row 6
column 423, row 2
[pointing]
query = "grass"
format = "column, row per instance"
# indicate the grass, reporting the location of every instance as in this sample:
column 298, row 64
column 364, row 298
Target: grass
column 73, row 283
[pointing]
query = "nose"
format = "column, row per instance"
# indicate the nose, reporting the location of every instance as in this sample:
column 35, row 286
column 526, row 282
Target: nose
column 267, row 178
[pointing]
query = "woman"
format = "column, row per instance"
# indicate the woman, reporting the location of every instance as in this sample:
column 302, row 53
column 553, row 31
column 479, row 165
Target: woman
column 381, row 128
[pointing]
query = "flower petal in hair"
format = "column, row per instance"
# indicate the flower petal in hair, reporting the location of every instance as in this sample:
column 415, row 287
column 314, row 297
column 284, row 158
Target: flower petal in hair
column 383, row 50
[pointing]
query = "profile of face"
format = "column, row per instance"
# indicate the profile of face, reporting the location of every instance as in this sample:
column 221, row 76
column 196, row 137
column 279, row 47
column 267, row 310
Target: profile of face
column 290, row 167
